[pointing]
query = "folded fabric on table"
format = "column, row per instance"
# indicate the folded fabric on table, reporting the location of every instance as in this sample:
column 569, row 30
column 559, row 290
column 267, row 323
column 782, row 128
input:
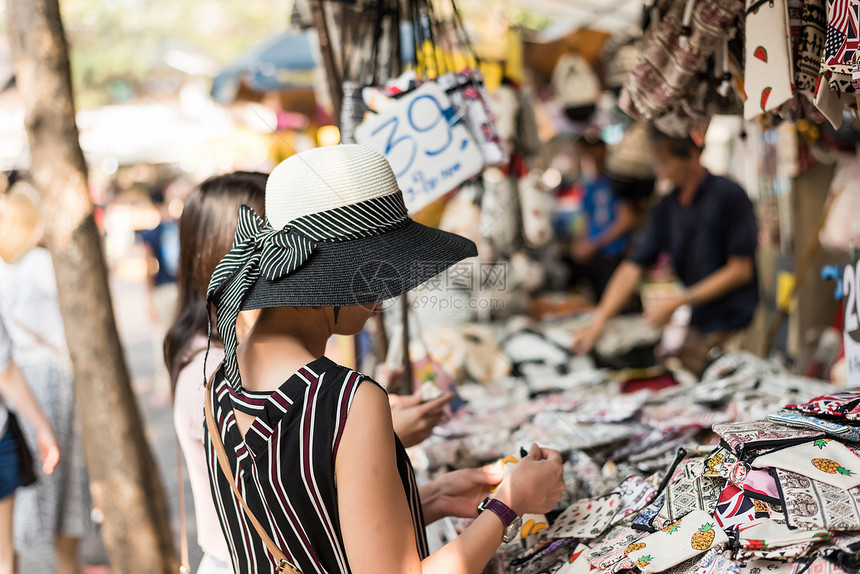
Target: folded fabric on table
column 697, row 532
column 717, row 561
column 734, row 508
column 635, row 494
column 767, row 534
column 797, row 419
column 817, row 566
column 759, row 565
column 688, row 492
column 719, row 464
column 825, row 460
column 812, row 504
column 646, row 519
column 549, row 559
column 576, row 562
column 585, row 519
column 783, row 553
column 760, row 485
column 614, row 547
column 744, row 437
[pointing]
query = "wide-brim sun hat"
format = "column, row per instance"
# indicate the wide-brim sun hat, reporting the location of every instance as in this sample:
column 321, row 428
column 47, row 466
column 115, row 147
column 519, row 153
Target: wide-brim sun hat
column 338, row 234
column 21, row 223
column 347, row 235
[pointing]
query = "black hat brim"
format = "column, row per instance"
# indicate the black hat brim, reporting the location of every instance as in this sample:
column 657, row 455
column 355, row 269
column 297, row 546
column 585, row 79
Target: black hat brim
column 364, row 271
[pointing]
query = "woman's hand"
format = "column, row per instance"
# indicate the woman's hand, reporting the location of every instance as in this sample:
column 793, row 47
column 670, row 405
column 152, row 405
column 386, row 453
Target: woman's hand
column 414, row 420
column 49, row 451
column 535, row 484
column 459, row 493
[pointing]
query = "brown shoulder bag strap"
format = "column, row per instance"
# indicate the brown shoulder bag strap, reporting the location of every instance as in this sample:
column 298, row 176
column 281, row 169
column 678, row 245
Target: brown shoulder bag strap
column 284, row 565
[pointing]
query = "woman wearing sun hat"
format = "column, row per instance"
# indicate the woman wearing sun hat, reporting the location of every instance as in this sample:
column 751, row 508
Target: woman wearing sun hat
column 316, row 479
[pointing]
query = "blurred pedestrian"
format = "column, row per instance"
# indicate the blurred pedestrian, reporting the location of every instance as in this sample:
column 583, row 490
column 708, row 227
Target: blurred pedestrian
column 162, row 256
column 53, row 515
column 608, row 221
column 15, row 392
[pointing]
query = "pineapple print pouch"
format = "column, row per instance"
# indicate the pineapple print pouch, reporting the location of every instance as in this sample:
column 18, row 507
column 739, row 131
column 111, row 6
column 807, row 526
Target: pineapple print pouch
column 825, row 460
column 694, row 534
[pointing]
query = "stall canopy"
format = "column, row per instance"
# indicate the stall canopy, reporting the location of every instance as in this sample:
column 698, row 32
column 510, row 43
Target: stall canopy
column 284, row 62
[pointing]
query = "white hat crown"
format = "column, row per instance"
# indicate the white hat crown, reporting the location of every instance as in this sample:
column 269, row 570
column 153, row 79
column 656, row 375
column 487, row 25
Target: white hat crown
column 325, row 178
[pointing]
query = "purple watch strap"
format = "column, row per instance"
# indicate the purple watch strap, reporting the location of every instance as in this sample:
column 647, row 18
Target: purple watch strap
column 500, row 509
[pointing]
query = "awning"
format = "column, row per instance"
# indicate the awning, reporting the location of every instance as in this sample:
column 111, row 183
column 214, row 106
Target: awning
column 284, row 62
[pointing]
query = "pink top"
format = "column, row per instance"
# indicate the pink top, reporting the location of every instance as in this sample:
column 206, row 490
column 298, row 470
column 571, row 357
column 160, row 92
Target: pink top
column 188, row 420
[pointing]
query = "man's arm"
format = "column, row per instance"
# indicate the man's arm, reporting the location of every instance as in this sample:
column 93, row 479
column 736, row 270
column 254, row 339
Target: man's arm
column 622, row 285
column 736, row 273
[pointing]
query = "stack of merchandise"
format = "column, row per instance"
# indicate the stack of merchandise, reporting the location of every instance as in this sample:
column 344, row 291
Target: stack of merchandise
column 722, row 476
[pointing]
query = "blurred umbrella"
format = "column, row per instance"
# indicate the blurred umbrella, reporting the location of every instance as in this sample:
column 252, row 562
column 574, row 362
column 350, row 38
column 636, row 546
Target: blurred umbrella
column 284, row 62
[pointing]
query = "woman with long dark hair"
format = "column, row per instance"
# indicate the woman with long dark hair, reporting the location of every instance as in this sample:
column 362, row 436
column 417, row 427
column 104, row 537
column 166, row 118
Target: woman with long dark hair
column 206, row 231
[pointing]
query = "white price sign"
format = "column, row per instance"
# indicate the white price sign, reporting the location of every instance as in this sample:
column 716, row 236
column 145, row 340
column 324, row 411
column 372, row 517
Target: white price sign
column 430, row 151
column 850, row 285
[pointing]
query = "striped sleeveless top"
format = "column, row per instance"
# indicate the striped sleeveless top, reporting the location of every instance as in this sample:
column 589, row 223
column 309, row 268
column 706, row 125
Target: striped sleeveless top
column 284, row 469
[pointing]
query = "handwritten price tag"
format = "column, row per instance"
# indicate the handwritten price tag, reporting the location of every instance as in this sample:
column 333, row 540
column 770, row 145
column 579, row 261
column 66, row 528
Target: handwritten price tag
column 430, row 151
column 850, row 284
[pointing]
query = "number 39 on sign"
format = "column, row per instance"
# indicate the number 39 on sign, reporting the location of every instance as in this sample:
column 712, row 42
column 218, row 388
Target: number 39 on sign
column 429, row 149
column 850, row 284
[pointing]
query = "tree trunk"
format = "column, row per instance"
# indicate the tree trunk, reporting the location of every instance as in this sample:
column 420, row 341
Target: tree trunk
column 123, row 478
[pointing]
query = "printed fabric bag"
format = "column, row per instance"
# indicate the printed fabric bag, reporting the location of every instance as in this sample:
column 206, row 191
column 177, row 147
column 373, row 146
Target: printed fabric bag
column 796, row 419
column 745, row 437
column 840, row 46
column 576, row 86
column 675, row 51
column 810, row 504
column 813, row 24
column 612, row 550
column 694, row 534
column 768, row 74
column 689, row 492
column 585, row 519
column 825, row 460
column 834, row 404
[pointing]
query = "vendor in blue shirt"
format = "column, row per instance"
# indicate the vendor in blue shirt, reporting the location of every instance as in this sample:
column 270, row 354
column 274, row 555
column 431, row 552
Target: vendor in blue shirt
column 708, row 227
column 604, row 237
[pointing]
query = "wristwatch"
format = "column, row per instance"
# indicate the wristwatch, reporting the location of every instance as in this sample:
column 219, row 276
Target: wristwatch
column 509, row 518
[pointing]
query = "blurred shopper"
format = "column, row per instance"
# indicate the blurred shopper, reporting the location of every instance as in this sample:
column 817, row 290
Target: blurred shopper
column 608, row 221
column 54, row 513
column 707, row 225
column 15, row 392
column 162, row 256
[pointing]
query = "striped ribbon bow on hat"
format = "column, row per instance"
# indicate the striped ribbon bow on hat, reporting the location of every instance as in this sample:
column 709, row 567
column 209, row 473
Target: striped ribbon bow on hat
column 258, row 249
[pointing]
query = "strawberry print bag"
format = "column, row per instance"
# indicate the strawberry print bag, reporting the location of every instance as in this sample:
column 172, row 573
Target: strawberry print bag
column 768, row 73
